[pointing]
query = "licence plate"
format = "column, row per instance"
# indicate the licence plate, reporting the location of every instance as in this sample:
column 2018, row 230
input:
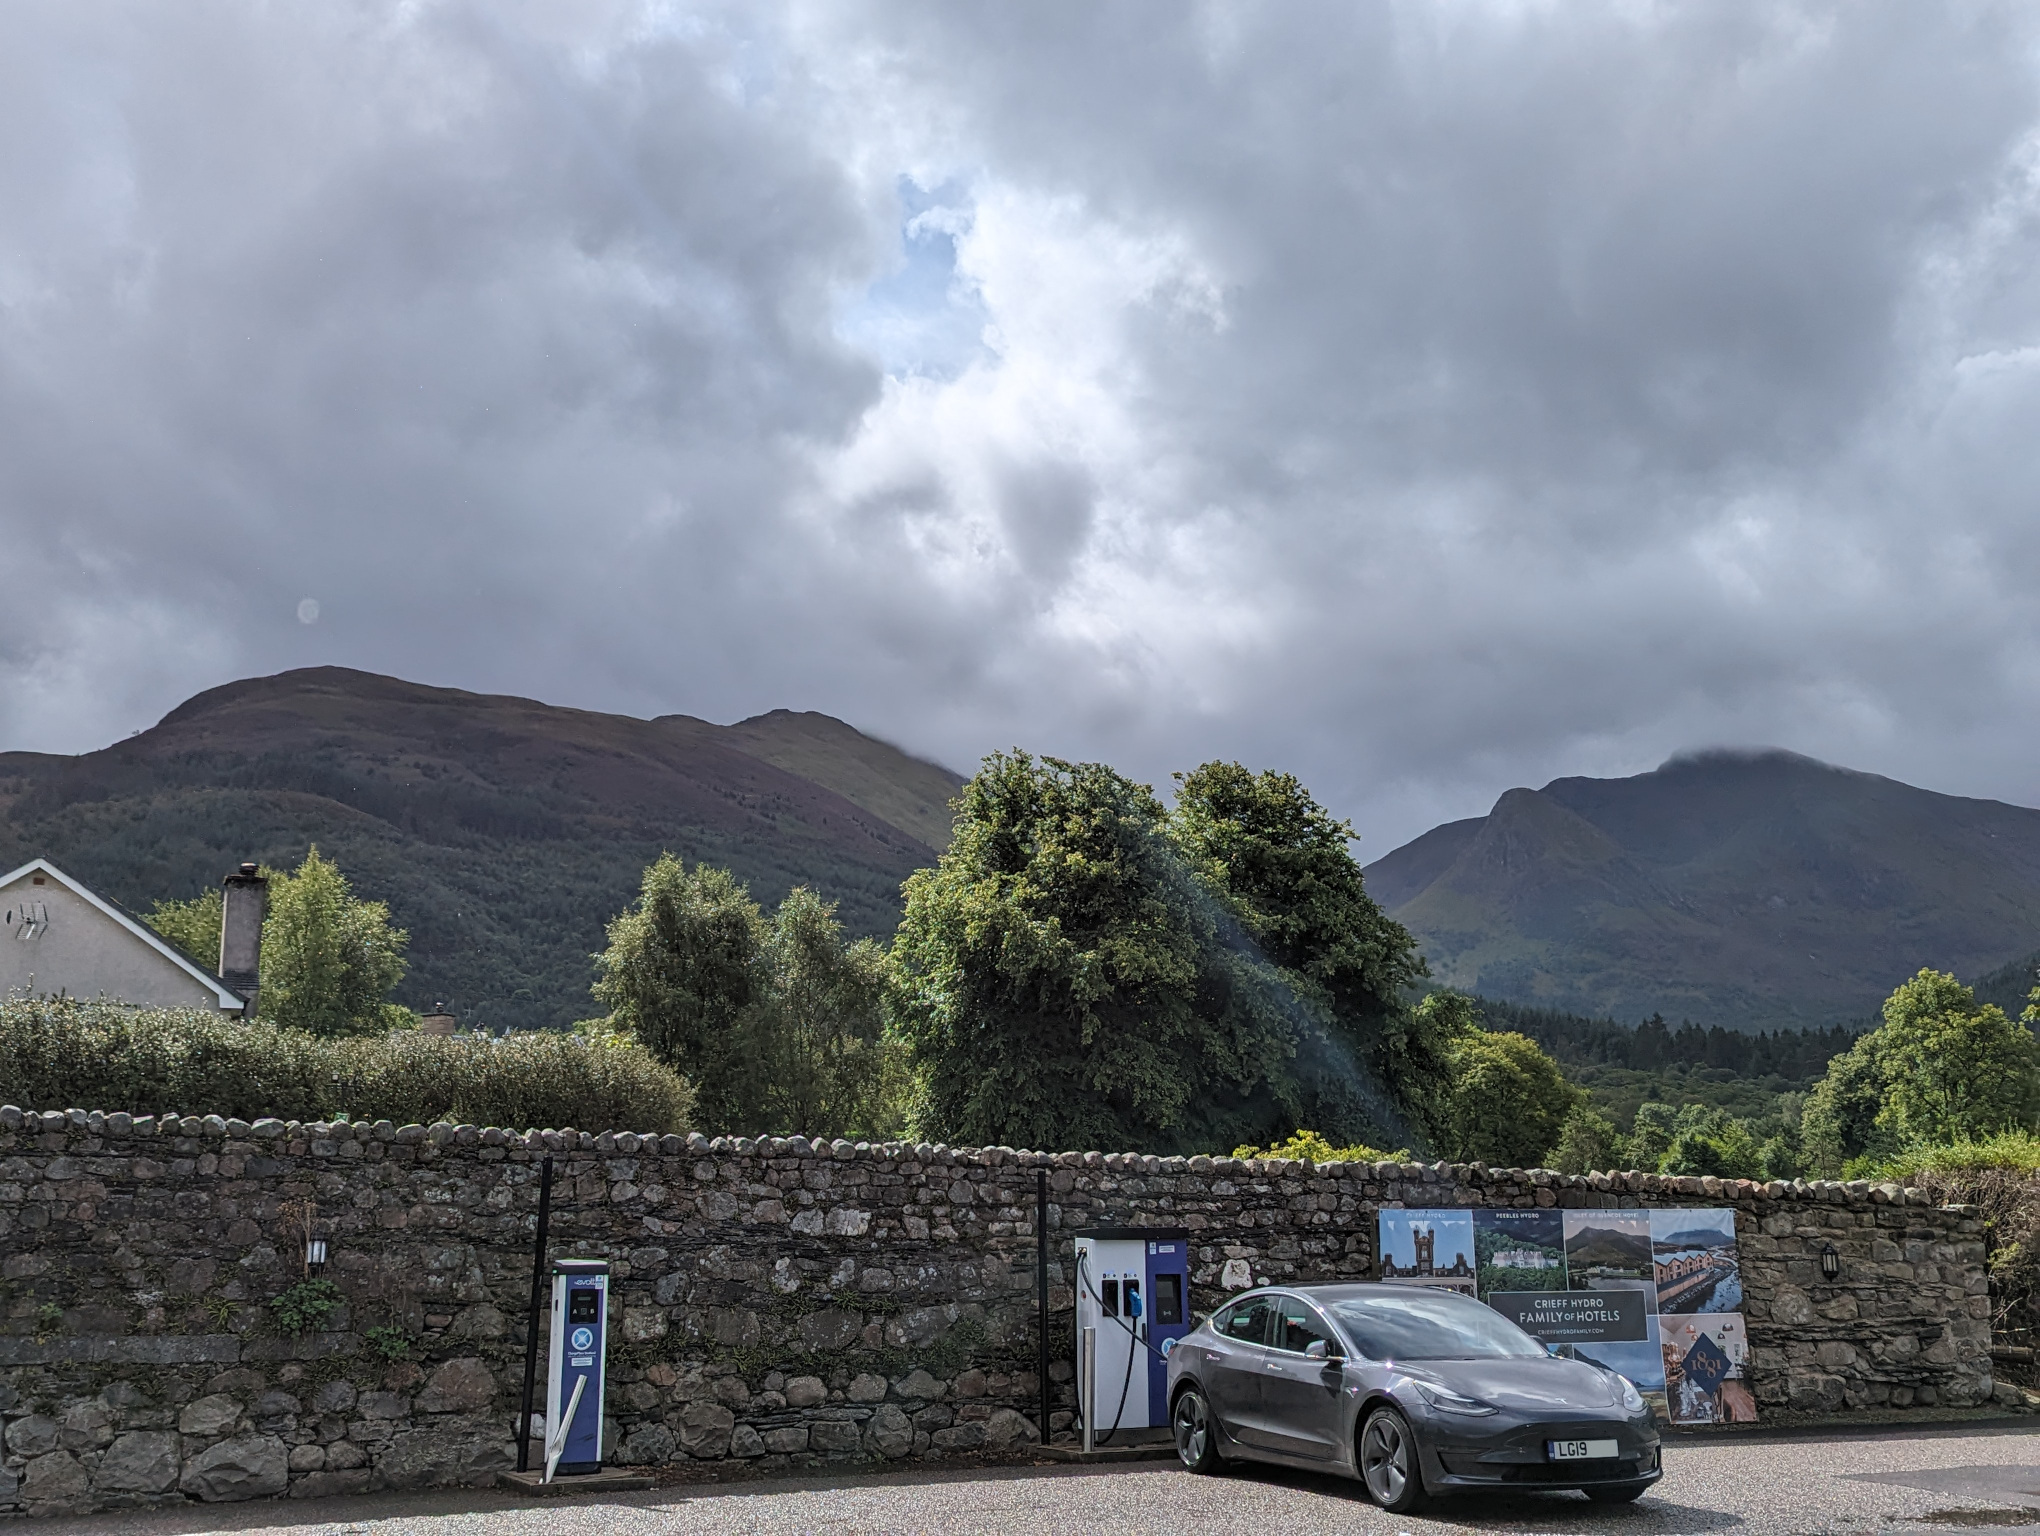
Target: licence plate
column 1580, row 1450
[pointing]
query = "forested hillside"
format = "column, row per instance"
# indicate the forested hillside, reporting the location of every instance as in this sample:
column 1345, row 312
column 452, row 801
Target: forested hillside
column 503, row 833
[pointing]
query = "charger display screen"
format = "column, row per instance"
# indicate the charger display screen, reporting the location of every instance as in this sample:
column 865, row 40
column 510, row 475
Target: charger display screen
column 1168, row 1300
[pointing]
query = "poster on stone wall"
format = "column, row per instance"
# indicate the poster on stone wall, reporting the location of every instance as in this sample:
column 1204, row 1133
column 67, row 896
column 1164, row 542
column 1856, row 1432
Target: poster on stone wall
column 1433, row 1248
column 1519, row 1251
column 1619, row 1288
column 1694, row 1255
column 1706, row 1365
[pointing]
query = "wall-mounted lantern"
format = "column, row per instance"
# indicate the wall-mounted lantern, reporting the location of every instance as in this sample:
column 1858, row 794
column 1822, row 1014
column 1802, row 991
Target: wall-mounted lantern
column 315, row 1255
column 1830, row 1263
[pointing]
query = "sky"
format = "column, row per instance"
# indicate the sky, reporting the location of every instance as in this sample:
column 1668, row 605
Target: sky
column 1426, row 399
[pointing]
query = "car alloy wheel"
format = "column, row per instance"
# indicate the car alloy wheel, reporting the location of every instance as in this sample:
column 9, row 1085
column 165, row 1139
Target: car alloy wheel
column 1196, row 1443
column 1388, row 1462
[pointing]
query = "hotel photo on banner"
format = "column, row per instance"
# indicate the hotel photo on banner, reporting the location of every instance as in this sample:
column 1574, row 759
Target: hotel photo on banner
column 1654, row 1295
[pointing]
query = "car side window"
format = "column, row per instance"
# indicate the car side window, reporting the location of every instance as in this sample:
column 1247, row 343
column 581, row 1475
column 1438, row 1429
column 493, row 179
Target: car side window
column 1247, row 1323
column 1298, row 1326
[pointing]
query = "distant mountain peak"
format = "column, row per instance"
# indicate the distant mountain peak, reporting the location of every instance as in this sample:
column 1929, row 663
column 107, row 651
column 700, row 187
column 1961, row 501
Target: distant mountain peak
column 1750, row 757
column 1749, row 887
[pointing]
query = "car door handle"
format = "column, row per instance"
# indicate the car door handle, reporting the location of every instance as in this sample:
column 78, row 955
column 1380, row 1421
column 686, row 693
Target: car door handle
column 1212, row 1356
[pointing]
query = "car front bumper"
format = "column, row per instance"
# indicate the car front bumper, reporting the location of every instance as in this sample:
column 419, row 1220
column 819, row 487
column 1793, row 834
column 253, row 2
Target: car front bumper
column 1513, row 1454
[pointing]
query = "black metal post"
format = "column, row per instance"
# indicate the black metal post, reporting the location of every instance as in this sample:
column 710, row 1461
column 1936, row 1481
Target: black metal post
column 1041, row 1284
column 531, row 1319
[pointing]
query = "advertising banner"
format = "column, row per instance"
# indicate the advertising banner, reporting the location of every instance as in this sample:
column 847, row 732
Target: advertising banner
column 1653, row 1295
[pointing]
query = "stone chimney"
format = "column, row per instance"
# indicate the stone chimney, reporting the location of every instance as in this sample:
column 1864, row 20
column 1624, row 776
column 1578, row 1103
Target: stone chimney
column 244, row 903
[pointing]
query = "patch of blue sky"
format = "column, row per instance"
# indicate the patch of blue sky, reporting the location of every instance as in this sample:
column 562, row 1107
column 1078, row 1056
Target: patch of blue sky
column 922, row 319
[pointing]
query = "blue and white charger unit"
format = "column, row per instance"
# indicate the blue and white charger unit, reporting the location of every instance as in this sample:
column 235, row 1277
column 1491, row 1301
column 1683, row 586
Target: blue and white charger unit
column 1133, row 1288
column 575, row 1367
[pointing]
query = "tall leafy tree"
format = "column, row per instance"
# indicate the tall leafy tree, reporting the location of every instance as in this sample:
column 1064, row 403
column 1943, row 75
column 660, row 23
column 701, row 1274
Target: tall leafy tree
column 681, row 970
column 821, row 1060
column 193, row 926
column 1954, row 1070
column 1284, row 868
column 1941, row 1068
column 776, row 1020
column 1067, row 981
column 1840, row 1121
column 329, row 959
column 1507, row 1102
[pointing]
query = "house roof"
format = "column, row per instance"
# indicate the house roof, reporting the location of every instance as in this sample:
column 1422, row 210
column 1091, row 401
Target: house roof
column 227, row 997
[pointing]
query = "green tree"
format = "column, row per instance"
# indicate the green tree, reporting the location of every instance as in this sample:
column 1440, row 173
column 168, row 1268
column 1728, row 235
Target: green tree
column 1651, row 1134
column 1588, row 1142
column 1840, row 1121
column 1285, row 870
column 193, row 926
column 681, row 971
column 1507, row 1103
column 821, row 1060
column 777, row 1022
column 1953, row 1070
column 1710, row 1141
column 329, row 959
column 1940, row 1069
column 1066, row 980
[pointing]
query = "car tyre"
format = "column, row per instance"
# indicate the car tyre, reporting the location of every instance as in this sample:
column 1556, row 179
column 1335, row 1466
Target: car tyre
column 1616, row 1493
column 1196, row 1432
column 1390, row 1464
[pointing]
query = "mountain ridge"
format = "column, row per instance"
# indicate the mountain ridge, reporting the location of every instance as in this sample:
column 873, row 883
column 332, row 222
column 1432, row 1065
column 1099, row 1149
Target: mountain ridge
column 503, row 832
column 1751, row 888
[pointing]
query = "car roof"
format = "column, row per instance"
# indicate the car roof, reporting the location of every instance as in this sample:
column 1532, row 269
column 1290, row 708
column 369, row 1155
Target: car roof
column 1340, row 1290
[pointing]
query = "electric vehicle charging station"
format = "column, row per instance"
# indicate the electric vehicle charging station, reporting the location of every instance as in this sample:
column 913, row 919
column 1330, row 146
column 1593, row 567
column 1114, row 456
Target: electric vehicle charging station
column 575, row 1367
column 1133, row 1303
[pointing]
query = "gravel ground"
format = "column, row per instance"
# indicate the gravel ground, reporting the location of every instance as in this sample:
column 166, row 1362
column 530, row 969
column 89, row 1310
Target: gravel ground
column 1974, row 1479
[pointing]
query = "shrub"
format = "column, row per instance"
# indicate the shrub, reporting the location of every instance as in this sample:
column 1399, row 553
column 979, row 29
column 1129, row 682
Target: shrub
column 1310, row 1147
column 62, row 1053
column 2000, row 1175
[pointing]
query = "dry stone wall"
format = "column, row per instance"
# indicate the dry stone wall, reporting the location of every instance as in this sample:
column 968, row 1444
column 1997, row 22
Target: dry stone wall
column 778, row 1303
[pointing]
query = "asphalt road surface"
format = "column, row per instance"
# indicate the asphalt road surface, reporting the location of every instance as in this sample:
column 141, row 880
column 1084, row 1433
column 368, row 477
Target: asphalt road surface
column 1974, row 1479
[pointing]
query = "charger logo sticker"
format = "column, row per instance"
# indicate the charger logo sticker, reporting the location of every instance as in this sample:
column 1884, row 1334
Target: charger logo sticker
column 1167, row 1345
column 584, row 1338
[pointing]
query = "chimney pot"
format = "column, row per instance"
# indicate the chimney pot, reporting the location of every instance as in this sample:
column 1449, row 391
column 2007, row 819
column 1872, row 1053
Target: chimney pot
column 244, row 903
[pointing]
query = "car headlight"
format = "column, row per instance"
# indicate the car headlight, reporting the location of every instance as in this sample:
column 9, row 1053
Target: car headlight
column 1631, row 1399
column 1450, row 1402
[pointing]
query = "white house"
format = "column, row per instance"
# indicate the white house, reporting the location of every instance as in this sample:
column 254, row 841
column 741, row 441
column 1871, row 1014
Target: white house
column 57, row 937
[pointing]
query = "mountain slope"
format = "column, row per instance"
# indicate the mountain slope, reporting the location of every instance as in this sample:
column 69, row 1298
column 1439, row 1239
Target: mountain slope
column 503, row 833
column 1746, row 889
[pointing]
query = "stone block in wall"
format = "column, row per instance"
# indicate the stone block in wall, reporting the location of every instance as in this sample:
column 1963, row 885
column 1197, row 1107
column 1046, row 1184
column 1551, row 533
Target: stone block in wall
column 35, row 1435
column 705, row 1430
column 832, row 1435
column 140, row 1461
column 245, row 1467
column 55, row 1483
column 888, row 1432
column 458, row 1386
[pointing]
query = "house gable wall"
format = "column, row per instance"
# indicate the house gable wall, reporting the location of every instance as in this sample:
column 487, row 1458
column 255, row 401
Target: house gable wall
column 85, row 953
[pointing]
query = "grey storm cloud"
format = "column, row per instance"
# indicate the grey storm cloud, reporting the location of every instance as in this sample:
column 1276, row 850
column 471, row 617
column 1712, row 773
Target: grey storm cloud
column 1428, row 399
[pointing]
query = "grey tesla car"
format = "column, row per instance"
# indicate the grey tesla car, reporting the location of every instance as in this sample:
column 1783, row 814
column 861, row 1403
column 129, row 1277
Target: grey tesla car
column 1412, row 1389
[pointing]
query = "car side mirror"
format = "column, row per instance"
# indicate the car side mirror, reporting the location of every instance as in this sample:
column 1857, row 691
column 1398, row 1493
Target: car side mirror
column 1319, row 1350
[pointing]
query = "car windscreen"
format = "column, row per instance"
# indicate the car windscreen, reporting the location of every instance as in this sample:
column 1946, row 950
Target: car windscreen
column 1430, row 1324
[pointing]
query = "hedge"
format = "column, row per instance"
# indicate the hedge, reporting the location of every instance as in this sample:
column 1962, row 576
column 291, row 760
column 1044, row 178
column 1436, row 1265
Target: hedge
column 63, row 1054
